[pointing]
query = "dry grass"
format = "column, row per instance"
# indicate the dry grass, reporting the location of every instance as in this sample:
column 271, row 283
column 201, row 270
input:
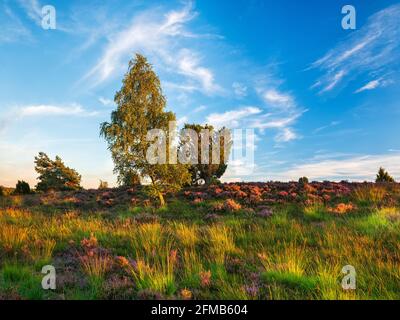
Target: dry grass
column 96, row 265
column 12, row 237
column 297, row 253
column 370, row 194
column 42, row 249
column 220, row 241
column 187, row 235
column 155, row 273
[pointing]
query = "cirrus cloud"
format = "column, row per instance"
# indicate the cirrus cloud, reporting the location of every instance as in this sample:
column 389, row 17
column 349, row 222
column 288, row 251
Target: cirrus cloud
column 232, row 118
column 371, row 51
column 52, row 110
column 356, row 167
column 162, row 38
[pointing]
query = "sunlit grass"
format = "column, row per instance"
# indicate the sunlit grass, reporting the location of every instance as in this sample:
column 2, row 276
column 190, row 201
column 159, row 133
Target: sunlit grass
column 12, row 237
column 157, row 272
column 297, row 253
column 187, row 235
column 220, row 241
column 370, row 194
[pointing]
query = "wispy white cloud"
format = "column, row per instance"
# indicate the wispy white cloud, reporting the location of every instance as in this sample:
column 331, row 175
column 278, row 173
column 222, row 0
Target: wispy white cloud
column 239, row 89
column 231, row 119
column 274, row 121
column 369, row 86
column 256, row 118
column 52, row 110
column 239, row 169
column 336, row 78
column 287, row 134
column 105, row 102
column 162, row 38
column 373, row 84
column 278, row 111
column 357, row 168
column 200, row 108
column 371, row 51
column 13, row 114
column 282, row 111
column 11, row 27
column 147, row 32
column 189, row 65
column 334, row 167
column 330, row 125
column 275, row 98
column 33, row 10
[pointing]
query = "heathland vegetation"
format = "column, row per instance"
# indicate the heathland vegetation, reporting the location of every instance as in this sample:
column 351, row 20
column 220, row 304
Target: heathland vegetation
column 228, row 241
column 173, row 230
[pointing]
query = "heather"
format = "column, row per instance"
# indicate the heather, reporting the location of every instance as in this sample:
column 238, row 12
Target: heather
column 226, row 241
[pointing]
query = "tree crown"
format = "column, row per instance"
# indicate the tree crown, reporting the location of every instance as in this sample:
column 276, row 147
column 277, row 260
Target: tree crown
column 55, row 175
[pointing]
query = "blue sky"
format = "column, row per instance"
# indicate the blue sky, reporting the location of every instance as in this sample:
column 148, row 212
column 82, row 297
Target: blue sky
column 323, row 101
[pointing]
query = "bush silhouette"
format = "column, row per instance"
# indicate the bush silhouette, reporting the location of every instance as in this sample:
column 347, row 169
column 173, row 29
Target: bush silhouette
column 103, row 185
column 383, row 176
column 22, row 187
column 55, row 175
column 303, row 181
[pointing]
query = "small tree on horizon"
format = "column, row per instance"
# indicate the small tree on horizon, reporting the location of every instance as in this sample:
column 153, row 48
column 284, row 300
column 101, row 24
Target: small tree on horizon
column 103, row 185
column 303, row 181
column 141, row 108
column 55, row 175
column 22, row 187
column 383, row 176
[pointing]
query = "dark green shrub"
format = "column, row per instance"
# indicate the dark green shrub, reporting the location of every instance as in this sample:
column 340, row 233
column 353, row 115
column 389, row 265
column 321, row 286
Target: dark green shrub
column 103, row 185
column 303, row 181
column 22, row 187
column 55, row 175
column 383, row 176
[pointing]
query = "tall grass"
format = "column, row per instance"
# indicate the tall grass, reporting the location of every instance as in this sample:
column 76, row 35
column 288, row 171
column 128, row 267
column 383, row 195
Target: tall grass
column 157, row 272
column 295, row 254
column 96, row 265
column 187, row 235
column 147, row 239
column 41, row 249
column 292, row 258
column 219, row 240
column 370, row 194
column 12, row 237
